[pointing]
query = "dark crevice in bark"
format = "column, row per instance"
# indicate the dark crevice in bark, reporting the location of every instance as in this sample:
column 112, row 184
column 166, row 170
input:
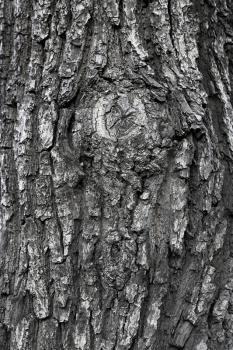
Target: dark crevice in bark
column 59, row 345
column 229, row 53
column 55, row 131
column 92, row 333
column 70, row 126
column 80, row 82
column 146, row 33
column 90, row 27
column 144, row 309
column 54, row 206
column 121, row 13
column 170, row 15
column 7, row 19
column 5, row 335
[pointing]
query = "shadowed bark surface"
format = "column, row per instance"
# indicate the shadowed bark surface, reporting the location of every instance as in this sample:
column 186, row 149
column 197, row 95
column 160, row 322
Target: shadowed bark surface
column 116, row 175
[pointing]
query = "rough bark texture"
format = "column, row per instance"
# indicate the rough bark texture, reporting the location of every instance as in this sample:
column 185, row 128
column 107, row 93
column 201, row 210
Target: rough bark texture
column 116, row 184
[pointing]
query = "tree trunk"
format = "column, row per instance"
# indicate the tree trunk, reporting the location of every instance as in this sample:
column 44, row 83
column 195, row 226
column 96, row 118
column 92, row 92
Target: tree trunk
column 116, row 185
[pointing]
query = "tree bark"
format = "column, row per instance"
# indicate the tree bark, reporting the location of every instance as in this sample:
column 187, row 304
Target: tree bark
column 116, row 185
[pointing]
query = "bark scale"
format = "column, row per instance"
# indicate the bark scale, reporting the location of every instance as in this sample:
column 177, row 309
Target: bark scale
column 116, row 187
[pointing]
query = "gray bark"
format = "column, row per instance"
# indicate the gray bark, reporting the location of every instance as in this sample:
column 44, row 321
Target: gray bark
column 116, row 186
